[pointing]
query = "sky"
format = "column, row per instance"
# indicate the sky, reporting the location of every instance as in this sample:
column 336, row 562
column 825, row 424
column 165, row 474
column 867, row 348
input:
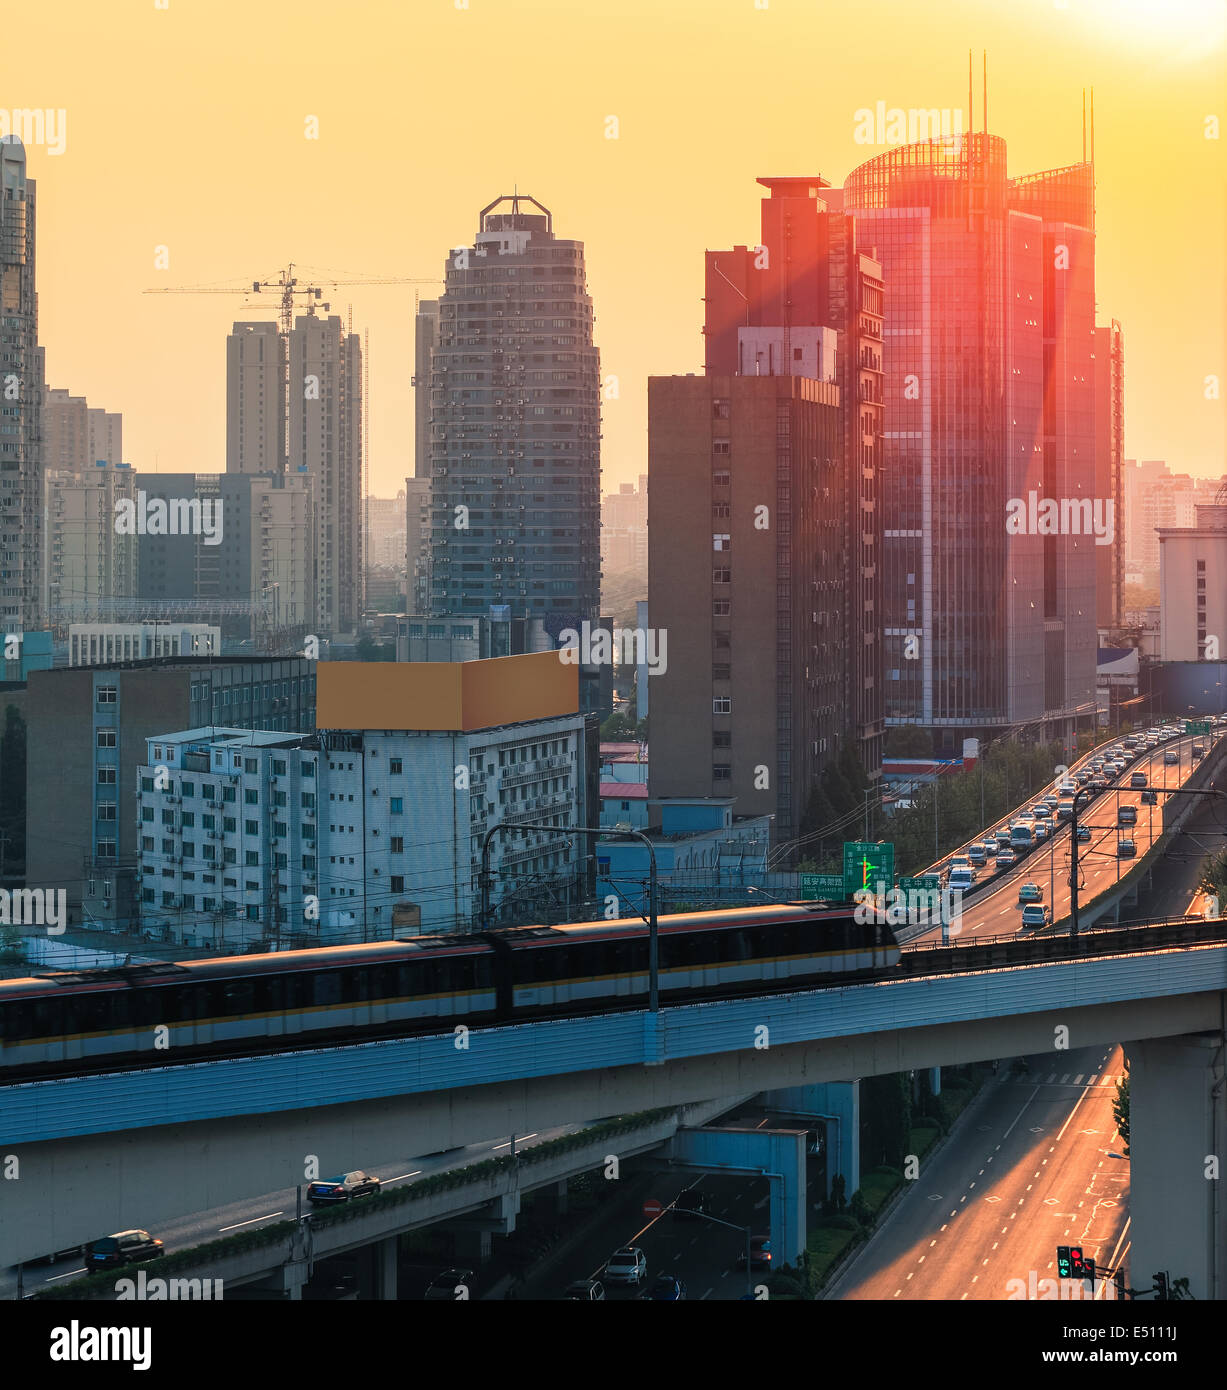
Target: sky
column 185, row 127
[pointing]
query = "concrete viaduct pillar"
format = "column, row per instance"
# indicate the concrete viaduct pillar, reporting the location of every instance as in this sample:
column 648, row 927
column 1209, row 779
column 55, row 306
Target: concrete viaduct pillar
column 1178, row 1148
column 838, row 1103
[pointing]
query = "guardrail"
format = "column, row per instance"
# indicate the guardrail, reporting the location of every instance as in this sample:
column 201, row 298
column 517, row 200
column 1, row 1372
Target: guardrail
column 979, row 953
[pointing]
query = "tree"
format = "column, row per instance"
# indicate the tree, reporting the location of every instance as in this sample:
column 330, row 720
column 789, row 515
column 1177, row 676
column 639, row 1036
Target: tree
column 908, row 741
column 1120, row 1107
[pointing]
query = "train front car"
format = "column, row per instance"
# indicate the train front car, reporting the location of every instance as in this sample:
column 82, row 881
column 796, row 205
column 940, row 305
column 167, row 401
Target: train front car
column 703, row 955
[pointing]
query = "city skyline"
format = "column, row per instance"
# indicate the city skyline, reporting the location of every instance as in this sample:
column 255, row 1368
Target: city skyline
column 1156, row 86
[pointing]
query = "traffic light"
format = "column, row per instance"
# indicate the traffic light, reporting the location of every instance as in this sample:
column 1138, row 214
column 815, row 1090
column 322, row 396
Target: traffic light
column 1160, row 1287
column 1075, row 1259
column 1064, row 1268
column 1088, row 1269
column 1119, row 1279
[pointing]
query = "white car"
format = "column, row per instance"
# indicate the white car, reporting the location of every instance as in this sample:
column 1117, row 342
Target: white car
column 627, row 1266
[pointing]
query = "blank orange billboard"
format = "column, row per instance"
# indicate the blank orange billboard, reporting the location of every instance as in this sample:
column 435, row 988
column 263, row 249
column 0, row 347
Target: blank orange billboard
column 444, row 695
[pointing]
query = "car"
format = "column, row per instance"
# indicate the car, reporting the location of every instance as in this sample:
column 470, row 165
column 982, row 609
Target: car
column 1084, row 833
column 958, row 861
column 692, row 1201
column 1066, row 787
column 1098, row 783
column 990, row 848
column 1127, row 815
column 1137, row 779
column 1065, row 810
column 123, row 1248
column 666, row 1289
column 977, row 854
column 1035, row 915
column 1126, row 849
column 585, row 1291
column 627, row 1266
column 1003, row 840
column 445, row 1287
column 1171, row 757
column 1043, row 811
column 1150, row 797
column 1199, row 751
column 1052, row 802
column 1040, row 830
column 760, row 1253
column 341, row 1189
column 1006, row 858
column 1030, row 893
column 962, row 878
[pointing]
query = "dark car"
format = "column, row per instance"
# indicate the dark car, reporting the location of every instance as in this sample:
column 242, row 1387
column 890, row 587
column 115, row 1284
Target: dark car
column 585, row 1291
column 1150, row 797
column 123, row 1248
column 341, row 1189
column 760, row 1253
column 691, row 1202
column 666, row 1289
column 450, row 1286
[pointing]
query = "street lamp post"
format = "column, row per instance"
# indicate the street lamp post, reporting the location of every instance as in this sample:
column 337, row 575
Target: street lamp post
column 565, row 832
column 1073, row 860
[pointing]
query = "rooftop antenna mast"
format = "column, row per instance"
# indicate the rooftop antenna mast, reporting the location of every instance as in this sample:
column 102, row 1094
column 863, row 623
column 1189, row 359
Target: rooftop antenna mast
column 984, row 93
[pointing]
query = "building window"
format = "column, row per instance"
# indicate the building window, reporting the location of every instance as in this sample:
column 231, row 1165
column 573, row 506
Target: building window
column 396, row 805
column 106, row 738
column 722, row 704
column 721, row 772
column 397, row 845
column 720, row 541
column 720, row 409
column 722, row 576
column 396, row 883
column 107, row 776
column 722, row 478
column 395, row 765
column 108, row 694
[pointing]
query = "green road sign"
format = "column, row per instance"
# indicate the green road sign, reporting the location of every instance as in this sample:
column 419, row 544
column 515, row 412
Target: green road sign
column 828, row 887
column 926, row 882
column 867, row 864
column 1197, row 726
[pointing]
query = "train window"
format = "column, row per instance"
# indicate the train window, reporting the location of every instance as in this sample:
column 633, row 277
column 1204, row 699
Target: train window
column 483, row 974
column 17, row 1018
column 238, row 997
column 739, row 945
column 298, row 990
column 357, row 985
column 408, row 981
column 121, row 1008
column 270, row 993
column 50, row 1018
column 327, row 987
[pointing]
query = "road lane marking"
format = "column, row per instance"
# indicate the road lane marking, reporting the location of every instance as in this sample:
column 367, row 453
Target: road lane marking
column 252, row 1222
column 414, row 1174
column 52, row 1278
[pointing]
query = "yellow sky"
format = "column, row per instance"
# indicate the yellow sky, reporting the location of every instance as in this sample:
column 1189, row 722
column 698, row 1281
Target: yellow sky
column 185, row 128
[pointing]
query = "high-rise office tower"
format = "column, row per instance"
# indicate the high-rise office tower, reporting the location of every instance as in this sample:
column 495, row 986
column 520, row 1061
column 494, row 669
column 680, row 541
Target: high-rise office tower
column 21, row 398
column 325, row 442
column 76, row 436
column 989, row 335
column 1109, row 459
column 255, row 399
column 747, row 579
column 425, row 336
column 89, row 567
column 808, row 301
column 515, row 426
column 252, row 566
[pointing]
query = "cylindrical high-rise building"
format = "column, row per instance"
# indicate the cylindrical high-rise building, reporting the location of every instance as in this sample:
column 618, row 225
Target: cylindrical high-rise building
column 21, row 392
column 515, row 426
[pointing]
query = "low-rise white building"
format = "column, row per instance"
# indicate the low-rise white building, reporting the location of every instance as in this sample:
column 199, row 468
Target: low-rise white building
column 271, row 840
column 102, row 644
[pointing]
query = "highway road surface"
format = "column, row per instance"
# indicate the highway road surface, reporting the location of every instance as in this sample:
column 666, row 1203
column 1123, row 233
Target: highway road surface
column 1036, row 1163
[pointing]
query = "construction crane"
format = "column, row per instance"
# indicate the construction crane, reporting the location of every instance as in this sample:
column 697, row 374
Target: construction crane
column 287, row 286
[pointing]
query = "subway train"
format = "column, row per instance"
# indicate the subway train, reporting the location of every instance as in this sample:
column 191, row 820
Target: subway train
column 152, row 1015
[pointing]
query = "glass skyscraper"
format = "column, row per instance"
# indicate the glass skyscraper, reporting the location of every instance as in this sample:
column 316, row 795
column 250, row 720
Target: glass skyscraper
column 989, row 397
